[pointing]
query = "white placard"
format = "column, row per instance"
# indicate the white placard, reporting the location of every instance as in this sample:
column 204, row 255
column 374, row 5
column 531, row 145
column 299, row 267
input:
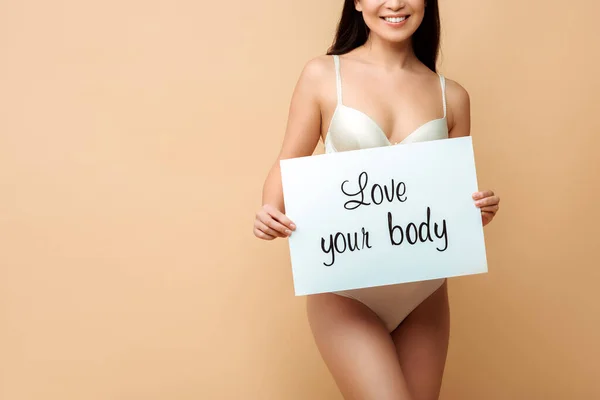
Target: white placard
column 383, row 216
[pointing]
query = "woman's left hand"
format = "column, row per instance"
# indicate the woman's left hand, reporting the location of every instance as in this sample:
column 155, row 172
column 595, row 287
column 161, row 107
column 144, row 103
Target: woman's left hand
column 489, row 203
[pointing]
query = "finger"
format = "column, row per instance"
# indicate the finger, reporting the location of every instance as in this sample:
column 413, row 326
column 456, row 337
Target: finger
column 488, row 201
column 482, row 194
column 280, row 217
column 491, row 209
column 264, row 228
column 268, row 220
column 261, row 235
column 487, row 217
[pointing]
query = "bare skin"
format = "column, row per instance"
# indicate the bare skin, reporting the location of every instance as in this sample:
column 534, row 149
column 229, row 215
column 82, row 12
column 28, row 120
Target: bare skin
column 371, row 363
column 387, row 82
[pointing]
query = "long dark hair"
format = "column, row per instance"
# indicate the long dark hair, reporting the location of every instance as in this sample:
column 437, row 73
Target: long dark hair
column 352, row 32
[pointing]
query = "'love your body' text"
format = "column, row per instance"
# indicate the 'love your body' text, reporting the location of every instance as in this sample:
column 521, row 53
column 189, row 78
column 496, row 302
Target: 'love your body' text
column 409, row 232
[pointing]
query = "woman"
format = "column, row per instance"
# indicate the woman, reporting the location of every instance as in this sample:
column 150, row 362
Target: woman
column 377, row 86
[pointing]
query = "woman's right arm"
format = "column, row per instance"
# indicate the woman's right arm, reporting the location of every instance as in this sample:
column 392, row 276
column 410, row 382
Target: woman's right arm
column 301, row 137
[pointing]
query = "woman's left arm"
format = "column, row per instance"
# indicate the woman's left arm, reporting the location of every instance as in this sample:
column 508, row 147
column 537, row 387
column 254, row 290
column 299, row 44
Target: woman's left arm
column 459, row 124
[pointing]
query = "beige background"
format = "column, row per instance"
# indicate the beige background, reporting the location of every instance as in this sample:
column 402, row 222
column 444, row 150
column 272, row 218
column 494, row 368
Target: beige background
column 134, row 140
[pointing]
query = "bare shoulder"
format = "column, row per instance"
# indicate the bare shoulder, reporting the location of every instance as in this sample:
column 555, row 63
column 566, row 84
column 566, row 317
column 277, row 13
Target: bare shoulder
column 304, row 117
column 459, row 108
column 457, row 95
column 316, row 74
column 318, row 67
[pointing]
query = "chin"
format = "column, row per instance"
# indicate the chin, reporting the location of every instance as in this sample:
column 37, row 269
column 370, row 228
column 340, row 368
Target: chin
column 396, row 38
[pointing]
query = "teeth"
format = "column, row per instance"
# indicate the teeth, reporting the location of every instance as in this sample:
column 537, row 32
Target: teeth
column 395, row 19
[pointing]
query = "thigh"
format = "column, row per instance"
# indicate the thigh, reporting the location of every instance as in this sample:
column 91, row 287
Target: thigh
column 422, row 345
column 357, row 348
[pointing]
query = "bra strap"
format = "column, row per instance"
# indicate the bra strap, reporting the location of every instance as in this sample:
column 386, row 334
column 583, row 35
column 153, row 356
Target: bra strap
column 338, row 78
column 443, row 85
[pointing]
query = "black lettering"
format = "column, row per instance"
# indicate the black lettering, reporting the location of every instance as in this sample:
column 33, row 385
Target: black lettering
column 365, row 238
column 362, row 184
column 335, row 242
column 352, row 247
column 425, row 225
column 408, row 235
column 421, row 234
column 443, row 235
column 376, row 186
column 378, row 192
column 392, row 229
column 400, row 192
column 329, row 249
column 389, row 196
column 340, row 242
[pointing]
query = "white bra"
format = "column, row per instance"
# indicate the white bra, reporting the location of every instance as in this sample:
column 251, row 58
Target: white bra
column 351, row 129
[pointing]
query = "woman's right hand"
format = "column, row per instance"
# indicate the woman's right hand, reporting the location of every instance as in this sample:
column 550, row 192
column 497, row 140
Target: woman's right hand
column 270, row 223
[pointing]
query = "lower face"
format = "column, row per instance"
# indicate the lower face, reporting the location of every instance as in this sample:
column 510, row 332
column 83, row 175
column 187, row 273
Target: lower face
column 394, row 21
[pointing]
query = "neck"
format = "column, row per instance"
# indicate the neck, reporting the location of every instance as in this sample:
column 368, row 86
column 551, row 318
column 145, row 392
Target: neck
column 388, row 54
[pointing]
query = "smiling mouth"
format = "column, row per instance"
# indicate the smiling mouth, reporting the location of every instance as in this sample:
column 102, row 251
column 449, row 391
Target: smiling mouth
column 395, row 20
